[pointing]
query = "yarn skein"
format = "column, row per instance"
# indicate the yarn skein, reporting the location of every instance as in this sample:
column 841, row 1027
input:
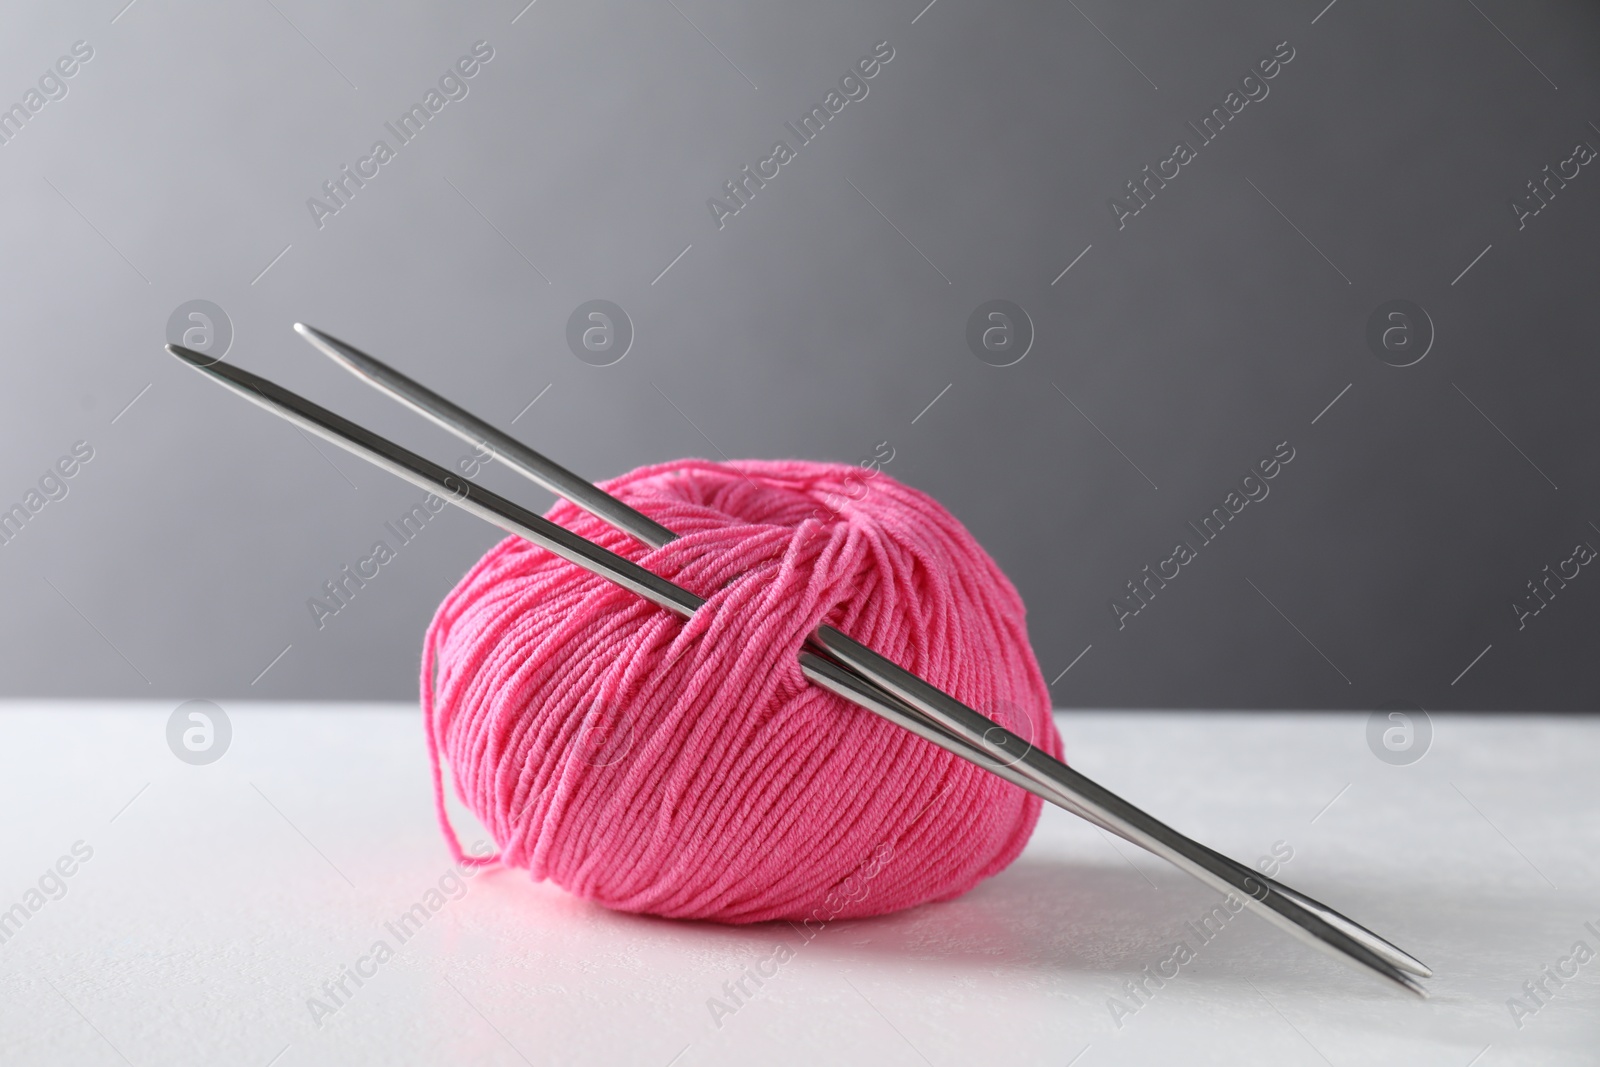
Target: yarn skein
column 686, row 768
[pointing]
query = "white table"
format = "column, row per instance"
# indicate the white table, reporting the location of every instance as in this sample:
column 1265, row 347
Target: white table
column 223, row 897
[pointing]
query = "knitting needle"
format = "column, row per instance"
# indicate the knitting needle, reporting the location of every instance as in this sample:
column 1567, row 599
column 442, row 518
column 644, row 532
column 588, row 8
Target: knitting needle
column 1106, row 807
column 557, row 479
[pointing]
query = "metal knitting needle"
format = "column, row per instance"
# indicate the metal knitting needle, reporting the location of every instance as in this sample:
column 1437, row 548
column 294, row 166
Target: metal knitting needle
column 1045, row 780
column 559, row 480
column 564, row 483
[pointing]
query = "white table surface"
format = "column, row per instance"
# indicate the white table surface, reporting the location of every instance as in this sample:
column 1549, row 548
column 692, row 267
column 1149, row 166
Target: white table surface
column 224, row 896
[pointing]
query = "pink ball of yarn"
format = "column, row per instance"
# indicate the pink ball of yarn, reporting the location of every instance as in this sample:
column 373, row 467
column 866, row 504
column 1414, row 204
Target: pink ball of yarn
column 686, row 768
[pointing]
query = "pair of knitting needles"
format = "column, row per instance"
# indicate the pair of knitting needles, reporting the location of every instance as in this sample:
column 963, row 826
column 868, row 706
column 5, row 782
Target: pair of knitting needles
column 830, row 659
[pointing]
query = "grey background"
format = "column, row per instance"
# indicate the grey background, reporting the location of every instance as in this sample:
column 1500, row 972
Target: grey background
column 822, row 319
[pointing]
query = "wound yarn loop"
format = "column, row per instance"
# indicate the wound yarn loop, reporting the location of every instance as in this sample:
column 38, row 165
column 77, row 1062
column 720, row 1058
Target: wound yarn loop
column 686, row 768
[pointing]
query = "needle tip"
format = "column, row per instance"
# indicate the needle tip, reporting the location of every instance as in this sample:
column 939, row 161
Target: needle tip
column 314, row 336
column 190, row 356
column 328, row 345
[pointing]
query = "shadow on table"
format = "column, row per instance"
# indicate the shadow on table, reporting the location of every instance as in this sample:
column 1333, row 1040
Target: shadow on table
column 1046, row 917
column 1052, row 917
column 1041, row 915
column 1084, row 930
